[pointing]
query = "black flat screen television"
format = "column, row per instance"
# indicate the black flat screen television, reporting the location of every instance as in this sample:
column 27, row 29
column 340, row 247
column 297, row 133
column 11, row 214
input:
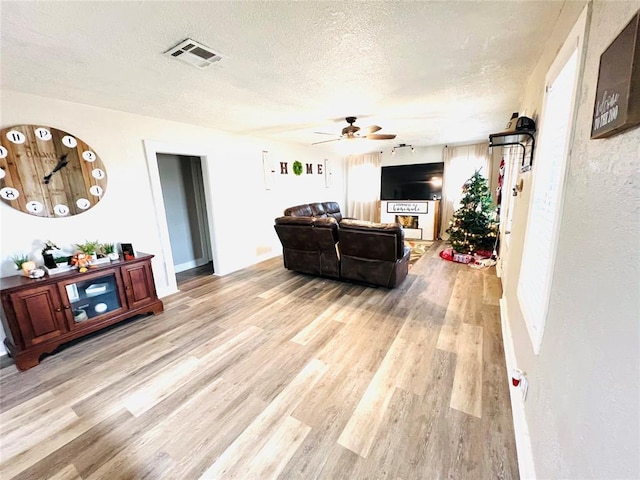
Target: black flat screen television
column 422, row 181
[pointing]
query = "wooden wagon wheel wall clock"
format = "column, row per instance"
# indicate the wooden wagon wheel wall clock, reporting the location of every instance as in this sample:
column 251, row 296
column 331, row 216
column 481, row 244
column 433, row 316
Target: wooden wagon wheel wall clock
column 47, row 172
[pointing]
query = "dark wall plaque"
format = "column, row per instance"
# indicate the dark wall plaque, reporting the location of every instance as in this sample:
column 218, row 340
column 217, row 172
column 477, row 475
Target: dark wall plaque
column 617, row 105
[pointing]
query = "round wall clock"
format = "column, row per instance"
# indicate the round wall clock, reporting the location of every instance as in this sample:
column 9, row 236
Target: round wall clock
column 47, row 172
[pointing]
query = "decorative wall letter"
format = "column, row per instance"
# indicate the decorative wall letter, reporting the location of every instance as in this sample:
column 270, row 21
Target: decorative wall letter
column 283, row 168
column 309, row 169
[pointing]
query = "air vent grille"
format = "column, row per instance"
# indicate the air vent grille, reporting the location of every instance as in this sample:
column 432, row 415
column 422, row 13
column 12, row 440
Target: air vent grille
column 194, row 53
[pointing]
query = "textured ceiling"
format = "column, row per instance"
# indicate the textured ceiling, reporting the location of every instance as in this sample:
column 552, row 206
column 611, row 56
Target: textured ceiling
column 434, row 72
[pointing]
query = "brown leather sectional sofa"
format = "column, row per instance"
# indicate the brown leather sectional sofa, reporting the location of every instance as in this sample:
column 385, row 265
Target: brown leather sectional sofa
column 316, row 239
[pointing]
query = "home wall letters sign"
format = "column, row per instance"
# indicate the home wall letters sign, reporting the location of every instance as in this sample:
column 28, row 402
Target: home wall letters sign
column 617, row 104
column 284, row 168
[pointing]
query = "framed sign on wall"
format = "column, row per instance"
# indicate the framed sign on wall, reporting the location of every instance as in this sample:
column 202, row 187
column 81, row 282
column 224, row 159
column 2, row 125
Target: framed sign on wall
column 617, row 103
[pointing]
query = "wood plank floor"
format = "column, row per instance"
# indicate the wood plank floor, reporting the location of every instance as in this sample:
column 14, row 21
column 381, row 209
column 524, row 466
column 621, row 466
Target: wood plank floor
column 267, row 373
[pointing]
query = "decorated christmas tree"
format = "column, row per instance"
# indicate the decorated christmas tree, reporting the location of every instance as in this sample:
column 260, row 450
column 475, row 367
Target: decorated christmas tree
column 473, row 227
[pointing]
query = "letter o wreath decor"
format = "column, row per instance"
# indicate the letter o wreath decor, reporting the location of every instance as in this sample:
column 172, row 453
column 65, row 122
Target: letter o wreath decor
column 297, row 168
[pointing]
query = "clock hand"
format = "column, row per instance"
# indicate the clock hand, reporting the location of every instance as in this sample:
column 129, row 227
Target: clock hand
column 62, row 163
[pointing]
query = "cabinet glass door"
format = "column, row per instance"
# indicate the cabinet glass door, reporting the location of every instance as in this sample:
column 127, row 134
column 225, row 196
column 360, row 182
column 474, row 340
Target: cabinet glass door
column 93, row 297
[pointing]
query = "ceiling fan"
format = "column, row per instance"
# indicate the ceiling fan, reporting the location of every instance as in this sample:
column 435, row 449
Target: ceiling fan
column 353, row 131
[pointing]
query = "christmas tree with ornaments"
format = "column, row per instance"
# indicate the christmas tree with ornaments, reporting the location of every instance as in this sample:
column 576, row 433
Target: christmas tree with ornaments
column 473, row 228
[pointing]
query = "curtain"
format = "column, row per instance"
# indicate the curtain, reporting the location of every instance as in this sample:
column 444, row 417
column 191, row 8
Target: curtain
column 459, row 165
column 363, row 186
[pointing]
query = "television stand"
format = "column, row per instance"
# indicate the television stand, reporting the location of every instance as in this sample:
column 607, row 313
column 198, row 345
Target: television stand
column 39, row 315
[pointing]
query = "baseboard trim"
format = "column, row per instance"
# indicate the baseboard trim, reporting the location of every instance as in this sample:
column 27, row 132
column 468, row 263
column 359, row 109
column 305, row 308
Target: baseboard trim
column 520, row 426
column 166, row 291
column 5, row 360
column 198, row 262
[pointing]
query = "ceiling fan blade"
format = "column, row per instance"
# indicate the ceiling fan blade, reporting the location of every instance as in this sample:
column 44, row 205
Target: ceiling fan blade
column 325, row 133
column 373, row 128
column 381, row 136
column 325, row 141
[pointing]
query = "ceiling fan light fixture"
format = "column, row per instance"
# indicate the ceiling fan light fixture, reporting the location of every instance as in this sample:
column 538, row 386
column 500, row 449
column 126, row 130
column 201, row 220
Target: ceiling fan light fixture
column 352, row 131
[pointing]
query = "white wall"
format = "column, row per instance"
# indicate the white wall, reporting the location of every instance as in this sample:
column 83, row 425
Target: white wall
column 583, row 404
column 127, row 211
column 404, row 156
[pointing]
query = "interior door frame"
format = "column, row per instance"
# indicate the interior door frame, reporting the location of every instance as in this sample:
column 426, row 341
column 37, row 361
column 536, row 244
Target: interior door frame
column 152, row 149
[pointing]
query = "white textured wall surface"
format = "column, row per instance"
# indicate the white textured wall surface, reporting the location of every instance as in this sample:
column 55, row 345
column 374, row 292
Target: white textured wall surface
column 583, row 403
column 242, row 210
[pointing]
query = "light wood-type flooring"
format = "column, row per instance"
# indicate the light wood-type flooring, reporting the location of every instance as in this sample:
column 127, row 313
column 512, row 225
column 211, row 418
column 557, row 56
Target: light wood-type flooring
column 267, row 373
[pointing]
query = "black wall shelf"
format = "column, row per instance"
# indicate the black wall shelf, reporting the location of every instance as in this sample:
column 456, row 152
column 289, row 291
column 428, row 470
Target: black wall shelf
column 522, row 138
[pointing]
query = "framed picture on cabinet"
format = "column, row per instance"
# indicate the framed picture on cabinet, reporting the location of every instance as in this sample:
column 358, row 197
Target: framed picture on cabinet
column 127, row 251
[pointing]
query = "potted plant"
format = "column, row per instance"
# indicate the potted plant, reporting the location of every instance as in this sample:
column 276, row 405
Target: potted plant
column 47, row 254
column 89, row 248
column 62, row 261
column 19, row 259
column 22, row 262
column 110, row 251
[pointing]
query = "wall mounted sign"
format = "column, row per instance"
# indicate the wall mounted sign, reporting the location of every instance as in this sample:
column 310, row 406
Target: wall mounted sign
column 299, row 168
column 617, row 105
column 407, row 207
column 268, row 170
column 327, row 173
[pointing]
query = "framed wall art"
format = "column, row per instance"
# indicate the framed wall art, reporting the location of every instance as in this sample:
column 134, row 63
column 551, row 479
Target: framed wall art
column 617, row 103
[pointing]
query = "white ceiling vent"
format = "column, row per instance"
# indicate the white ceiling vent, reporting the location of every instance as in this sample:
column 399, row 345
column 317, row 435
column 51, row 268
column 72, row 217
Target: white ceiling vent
column 193, row 53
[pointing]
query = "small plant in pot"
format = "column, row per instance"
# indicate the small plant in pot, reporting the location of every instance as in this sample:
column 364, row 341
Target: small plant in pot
column 23, row 263
column 89, row 248
column 62, row 261
column 110, row 251
column 19, row 259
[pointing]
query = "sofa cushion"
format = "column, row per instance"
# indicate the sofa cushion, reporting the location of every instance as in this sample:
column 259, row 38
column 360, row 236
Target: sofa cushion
column 318, row 210
column 332, row 209
column 364, row 239
column 299, row 211
column 368, row 226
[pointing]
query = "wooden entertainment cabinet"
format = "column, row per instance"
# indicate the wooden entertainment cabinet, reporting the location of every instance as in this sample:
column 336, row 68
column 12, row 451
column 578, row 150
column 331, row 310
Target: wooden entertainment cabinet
column 39, row 315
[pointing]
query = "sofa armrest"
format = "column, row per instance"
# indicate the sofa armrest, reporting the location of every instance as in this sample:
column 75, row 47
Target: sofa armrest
column 294, row 221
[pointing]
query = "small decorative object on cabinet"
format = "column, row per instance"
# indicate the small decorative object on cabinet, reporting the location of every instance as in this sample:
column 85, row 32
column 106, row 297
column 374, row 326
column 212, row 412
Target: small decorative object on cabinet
column 39, row 315
column 127, row 251
column 89, row 248
column 48, row 252
column 19, row 259
column 109, row 250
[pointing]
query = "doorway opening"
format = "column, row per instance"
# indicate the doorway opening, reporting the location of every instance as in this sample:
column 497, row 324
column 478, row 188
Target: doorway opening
column 164, row 271
column 185, row 209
